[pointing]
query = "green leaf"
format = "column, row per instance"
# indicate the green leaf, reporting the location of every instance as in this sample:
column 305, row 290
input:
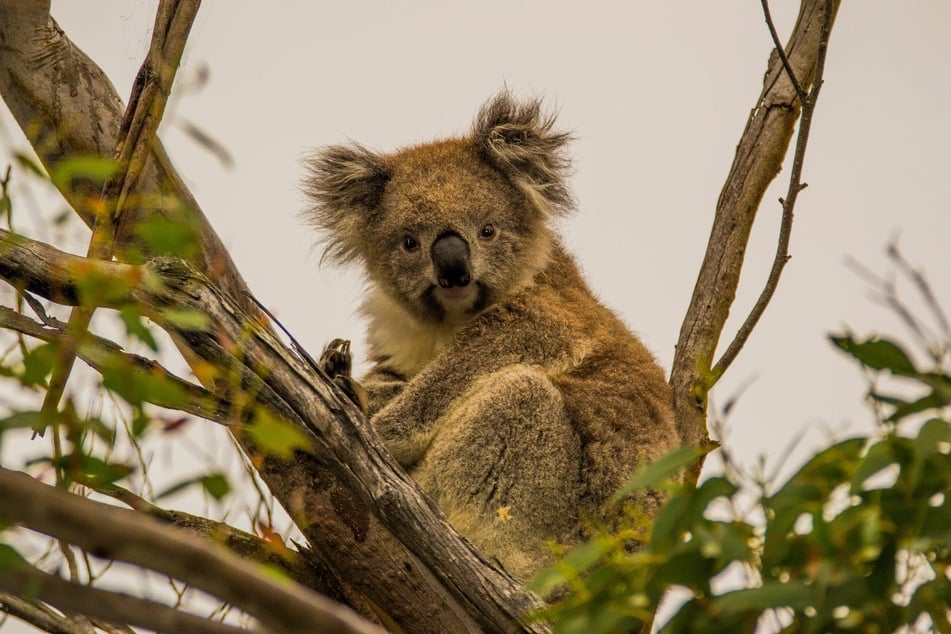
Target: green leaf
column 38, row 363
column 95, row 169
column 664, row 467
column 135, row 327
column 275, row 436
column 163, row 236
column 185, row 319
column 570, row 567
column 878, row 354
column 932, row 435
column 137, row 386
column 879, row 457
column 772, row 594
column 92, row 471
column 215, row 484
column 34, row 420
column 10, row 559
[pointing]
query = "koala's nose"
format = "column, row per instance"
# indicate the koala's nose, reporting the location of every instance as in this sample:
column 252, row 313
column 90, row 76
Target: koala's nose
column 450, row 255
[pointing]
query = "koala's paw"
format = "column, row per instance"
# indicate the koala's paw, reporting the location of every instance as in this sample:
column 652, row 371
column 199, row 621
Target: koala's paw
column 336, row 359
column 337, row 362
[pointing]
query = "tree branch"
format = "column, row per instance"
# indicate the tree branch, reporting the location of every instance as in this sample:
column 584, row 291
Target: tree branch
column 69, row 596
column 114, row 533
column 247, row 546
column 133, row 149
column 39, row 615
column 759, row 157
column 788, row 203
column 101, row 353
column 342, row 439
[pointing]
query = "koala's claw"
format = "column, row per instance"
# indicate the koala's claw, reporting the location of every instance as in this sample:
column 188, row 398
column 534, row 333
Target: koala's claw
column 337, row 361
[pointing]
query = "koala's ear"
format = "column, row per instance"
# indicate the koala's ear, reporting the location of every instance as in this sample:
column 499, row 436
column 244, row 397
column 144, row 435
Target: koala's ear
column 518, row 139
column 345, row 183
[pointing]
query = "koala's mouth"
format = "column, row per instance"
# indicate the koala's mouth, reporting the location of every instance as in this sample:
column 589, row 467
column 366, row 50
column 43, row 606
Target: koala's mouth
column 456, row 300
column 458, row 294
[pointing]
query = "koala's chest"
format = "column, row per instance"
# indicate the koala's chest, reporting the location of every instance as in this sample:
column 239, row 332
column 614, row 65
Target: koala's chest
column 406, row 344
column 407, row 350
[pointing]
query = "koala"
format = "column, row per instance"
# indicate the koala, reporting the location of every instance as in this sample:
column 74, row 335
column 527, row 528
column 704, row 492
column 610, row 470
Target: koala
column 512, row 396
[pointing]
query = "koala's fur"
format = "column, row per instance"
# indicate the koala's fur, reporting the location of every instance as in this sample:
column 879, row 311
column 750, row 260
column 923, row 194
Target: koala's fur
column 512, row 396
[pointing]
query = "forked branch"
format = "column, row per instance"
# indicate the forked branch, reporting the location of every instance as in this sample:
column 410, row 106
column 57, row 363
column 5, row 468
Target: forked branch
column 759, row 156
column 789, row 202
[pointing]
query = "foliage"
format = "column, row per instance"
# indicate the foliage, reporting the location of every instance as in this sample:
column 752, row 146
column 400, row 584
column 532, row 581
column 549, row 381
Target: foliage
column 95, row 438
column 859, row 539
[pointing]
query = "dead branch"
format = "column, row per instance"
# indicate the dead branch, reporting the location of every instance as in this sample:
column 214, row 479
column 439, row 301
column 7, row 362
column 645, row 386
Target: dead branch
column 245, row 545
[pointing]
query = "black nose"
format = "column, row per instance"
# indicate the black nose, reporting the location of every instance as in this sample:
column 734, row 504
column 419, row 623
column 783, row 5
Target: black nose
column 450, row 255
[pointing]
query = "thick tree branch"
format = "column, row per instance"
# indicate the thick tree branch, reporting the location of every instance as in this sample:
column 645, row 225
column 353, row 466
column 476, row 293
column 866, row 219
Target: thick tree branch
column 247, row 546
column 342, row 439
column 77, row 598
column 123, row 535
column 759, row 157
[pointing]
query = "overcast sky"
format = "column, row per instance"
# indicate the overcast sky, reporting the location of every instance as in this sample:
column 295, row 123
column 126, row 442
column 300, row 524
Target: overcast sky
column 657, row 95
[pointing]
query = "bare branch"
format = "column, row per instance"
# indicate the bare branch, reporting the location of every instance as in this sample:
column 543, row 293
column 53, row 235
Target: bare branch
column 75, row 597
column 246, row 545
column 39, row 615
column 114, row 533
column 788, row 204
column 133, row 149
column 759, row 156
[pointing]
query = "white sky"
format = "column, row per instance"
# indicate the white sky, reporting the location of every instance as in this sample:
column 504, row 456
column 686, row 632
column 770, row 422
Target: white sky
column 657, row 94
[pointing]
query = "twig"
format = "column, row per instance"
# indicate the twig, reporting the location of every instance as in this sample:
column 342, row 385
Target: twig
column 795, row 186
column 782, row 52
column 923, row 287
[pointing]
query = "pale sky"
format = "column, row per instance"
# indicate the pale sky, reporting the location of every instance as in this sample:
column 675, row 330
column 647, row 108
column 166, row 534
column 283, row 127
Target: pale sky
column 657, row 95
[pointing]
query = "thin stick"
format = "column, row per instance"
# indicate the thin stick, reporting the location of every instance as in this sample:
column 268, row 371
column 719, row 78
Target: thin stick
column 782, row 52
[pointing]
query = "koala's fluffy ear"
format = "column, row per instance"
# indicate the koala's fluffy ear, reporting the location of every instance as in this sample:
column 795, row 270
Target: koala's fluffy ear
column 345, row 183
column 518, row 139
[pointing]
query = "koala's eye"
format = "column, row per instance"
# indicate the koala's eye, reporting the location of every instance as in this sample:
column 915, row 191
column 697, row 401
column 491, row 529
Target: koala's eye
column 488, row 231
column 410, row 243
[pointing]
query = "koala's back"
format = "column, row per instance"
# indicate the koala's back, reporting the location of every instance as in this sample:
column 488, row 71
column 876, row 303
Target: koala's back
column 513, row 397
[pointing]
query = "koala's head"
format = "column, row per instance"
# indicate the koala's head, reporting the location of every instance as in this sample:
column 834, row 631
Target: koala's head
column 450, row 227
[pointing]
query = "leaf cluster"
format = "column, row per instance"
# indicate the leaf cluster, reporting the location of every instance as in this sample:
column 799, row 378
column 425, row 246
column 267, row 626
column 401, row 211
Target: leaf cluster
column 858, row 539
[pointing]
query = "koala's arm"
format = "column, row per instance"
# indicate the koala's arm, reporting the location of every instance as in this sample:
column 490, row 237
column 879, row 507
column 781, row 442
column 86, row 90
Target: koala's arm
column 381, row 385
